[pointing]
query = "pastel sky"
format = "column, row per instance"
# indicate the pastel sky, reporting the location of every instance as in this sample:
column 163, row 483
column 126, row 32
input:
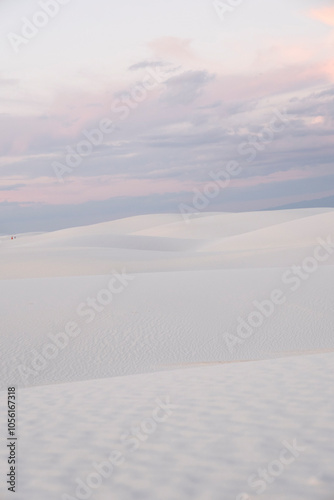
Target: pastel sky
column 213, row 83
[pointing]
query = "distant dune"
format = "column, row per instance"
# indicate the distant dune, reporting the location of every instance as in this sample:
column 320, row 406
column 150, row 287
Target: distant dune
column 152, row 243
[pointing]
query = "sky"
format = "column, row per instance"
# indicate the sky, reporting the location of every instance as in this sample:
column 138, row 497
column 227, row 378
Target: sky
column 112, row 109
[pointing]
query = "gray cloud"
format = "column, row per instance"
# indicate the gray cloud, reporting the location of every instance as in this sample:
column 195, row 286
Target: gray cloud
column 13, row 187
column 185, row 144
column 148, row 64
column 4, row 82
column 185, row 88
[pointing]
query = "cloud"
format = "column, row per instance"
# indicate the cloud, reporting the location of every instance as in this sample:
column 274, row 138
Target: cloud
column 173, row 48
column 275, row 82
column 148, row 64
column 186, row 139
column 324, row 14
column 4, row 82
column 169, row 149
column 75, row 190
column 185, row 88
column 12, row 187
column 279, row 177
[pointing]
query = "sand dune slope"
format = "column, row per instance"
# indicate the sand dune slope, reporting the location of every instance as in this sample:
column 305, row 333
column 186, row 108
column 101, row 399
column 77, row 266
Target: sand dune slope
column 221, row 426
column 166, row 242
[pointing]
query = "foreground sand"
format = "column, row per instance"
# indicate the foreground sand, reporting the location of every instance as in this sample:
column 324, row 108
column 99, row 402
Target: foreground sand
column 172, row 329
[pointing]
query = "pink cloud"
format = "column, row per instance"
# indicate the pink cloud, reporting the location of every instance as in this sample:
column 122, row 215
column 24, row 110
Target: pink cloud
column 324, row 14
column 281, row 176
column 78, row 190
column 276, row 55
column 173, row 49
column 71, row 112
column 274, row 82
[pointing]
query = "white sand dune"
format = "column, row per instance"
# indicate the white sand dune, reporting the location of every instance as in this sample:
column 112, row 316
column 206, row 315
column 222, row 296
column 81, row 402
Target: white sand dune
column 166, row 242
column 159, row 319
column 302, row 232
column 211, row 226
column 226, row 423
column 164, row 327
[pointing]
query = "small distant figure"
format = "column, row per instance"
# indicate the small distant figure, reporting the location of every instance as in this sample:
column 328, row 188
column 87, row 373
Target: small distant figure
column 13, row 237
